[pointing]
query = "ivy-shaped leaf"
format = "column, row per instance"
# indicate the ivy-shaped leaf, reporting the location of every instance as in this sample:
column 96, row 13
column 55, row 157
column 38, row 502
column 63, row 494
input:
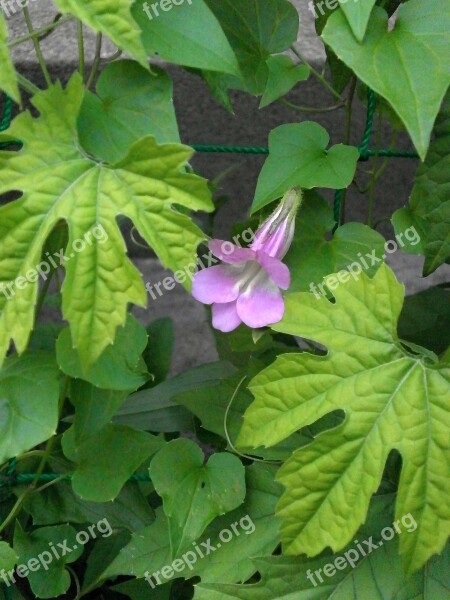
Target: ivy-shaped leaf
column 255, row 29
column 8, row 557
column 111, row 18
column 283, row 75
column 53, row 581
column 107, row 459
column 29, row 392
column 354, row 247
column 129, row 103
column 149, row 549
column 408, row 66
column 119, row 367
column 299, row 158
column 8, row 79
column 194, row 494
column 187, row 33
column 393, row 399
column 59, row 182
column 429, row 205
column 358, row 15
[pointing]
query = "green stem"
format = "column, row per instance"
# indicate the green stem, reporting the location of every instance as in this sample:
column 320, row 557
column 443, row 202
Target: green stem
column 27, row 85
column 39, row 32
column 374, row 172
column 81, row 48
column 316, row 73
column 97, row 60
column 348, row 131
column 37, row 47
column 310, row 109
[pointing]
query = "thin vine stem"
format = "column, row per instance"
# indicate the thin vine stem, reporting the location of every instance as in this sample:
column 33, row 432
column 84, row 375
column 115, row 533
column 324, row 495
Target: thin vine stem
column 310, row 109
column 37, row 47
column 316, row 73
column 80, row 48
column 27, row 85
column 374, row 172
column 40, row 32
column 348, row 131
column 97, row 60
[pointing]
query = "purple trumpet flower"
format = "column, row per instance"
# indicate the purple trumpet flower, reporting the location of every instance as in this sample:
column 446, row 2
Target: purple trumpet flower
column 247, row 288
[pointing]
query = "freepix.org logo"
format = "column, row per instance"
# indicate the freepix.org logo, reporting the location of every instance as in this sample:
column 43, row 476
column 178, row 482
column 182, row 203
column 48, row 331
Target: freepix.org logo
column 152, row 9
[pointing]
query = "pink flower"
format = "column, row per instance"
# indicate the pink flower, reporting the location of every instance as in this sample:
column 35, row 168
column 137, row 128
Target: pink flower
column 247, row 288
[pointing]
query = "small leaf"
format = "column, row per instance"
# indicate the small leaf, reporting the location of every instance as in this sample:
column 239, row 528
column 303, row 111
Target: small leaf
column 283, row 75
column 8, row 77
column 119, row 367
column 29, row 392
column 111, row 18
column 193, row 494
column 255, row 29
column 186, row 34
column 299, row 158
column 8, row 557
column 414, row 82
column 358, row 15
column 130, row 103
column 312, row 256
column 429, row 204
column 106, row 460
column 425, row 319
column 393, row 399
column 53, row 581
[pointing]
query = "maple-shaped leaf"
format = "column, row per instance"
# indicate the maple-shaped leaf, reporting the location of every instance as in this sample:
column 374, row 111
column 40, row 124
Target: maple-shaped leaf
column 60, row 183
column 112, row 18
column 393, row 397
column 8, row 79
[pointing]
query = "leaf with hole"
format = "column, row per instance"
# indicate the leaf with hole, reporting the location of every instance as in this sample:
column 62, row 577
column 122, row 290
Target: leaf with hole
column 393, row 399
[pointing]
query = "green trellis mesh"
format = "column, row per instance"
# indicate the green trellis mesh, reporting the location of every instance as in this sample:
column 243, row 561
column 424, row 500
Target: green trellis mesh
column 12, row 478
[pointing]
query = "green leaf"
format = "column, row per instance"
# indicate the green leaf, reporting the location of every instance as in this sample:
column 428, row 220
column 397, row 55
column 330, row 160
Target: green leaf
column 379, row 574
column 106, row 460
column 103, row 554
column 425, row 319
column 358, row 15
column 194, row 494
column 59, row 503
column 299, row 158
column 430, row 198
column 393, row 399
column 29, row 392
column 53, row 581
column 283, row 75
column 154, row 410
column 407, row 66
column 8, row 77
column 159, row 350
column 130, row 103
column 8, row 557
column 149, row 549
column 187, row 33
column 111, row 18
column 60, row 183
column 313, row 255
column 139, row 589
column 119, row 367
column 255, row 29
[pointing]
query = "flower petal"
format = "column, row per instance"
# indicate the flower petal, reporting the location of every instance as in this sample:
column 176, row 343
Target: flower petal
column 263, row 305
column 215, row 284
column 230, row 253
column 278, row 272
column 225, row 317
